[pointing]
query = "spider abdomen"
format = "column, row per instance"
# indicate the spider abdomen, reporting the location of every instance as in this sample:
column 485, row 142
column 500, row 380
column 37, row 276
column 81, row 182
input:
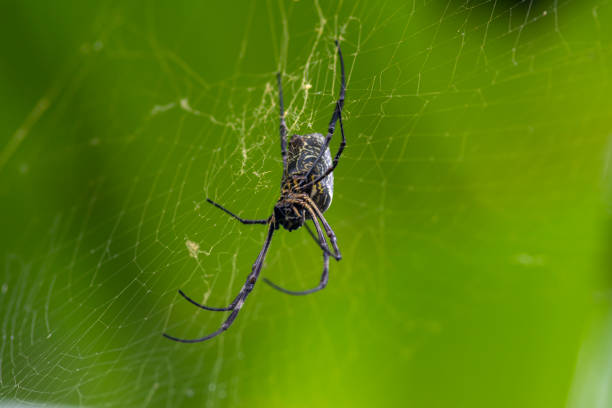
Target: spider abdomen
column 303, row 153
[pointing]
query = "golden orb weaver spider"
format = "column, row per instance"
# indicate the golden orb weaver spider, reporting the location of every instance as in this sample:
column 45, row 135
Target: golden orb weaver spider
column 307, row 189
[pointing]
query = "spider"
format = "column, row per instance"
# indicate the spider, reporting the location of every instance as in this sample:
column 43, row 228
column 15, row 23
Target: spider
column 307, row 189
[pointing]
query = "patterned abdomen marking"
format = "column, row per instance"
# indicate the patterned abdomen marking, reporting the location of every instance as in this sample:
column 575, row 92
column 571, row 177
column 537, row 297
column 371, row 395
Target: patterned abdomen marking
column 303, row 152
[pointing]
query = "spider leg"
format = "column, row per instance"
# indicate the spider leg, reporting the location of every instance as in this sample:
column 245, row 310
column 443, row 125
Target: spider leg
column 335, row 116
column 330, row 232
column 332, row 237
column 244, row 292
column 223, row 328
column 242, row 220
column 235, row 301
column 283, row 125
column 324, row 275
column 325, row 249
column 336, row 158
column 214, row 309
column 322, row 283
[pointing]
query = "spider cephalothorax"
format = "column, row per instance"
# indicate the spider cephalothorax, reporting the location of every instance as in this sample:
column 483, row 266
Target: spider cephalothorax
column 290, row 215
column 307, row 189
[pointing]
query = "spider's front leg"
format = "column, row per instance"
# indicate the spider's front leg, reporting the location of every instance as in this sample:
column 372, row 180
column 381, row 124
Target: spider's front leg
column 317, row 214
column 324, row 275
column 242, row 295
column 212, row 309
column 235, row 301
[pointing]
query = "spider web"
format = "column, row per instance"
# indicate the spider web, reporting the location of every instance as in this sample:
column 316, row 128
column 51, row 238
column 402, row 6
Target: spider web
column 467, row 204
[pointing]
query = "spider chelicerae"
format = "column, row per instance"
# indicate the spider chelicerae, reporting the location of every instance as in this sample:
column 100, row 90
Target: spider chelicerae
column 307, row 189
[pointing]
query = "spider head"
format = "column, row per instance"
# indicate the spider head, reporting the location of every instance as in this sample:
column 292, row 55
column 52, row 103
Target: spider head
column 290, row 216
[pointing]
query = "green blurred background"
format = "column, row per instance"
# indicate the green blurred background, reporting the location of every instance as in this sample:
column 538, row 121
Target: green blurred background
column 471, row 203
